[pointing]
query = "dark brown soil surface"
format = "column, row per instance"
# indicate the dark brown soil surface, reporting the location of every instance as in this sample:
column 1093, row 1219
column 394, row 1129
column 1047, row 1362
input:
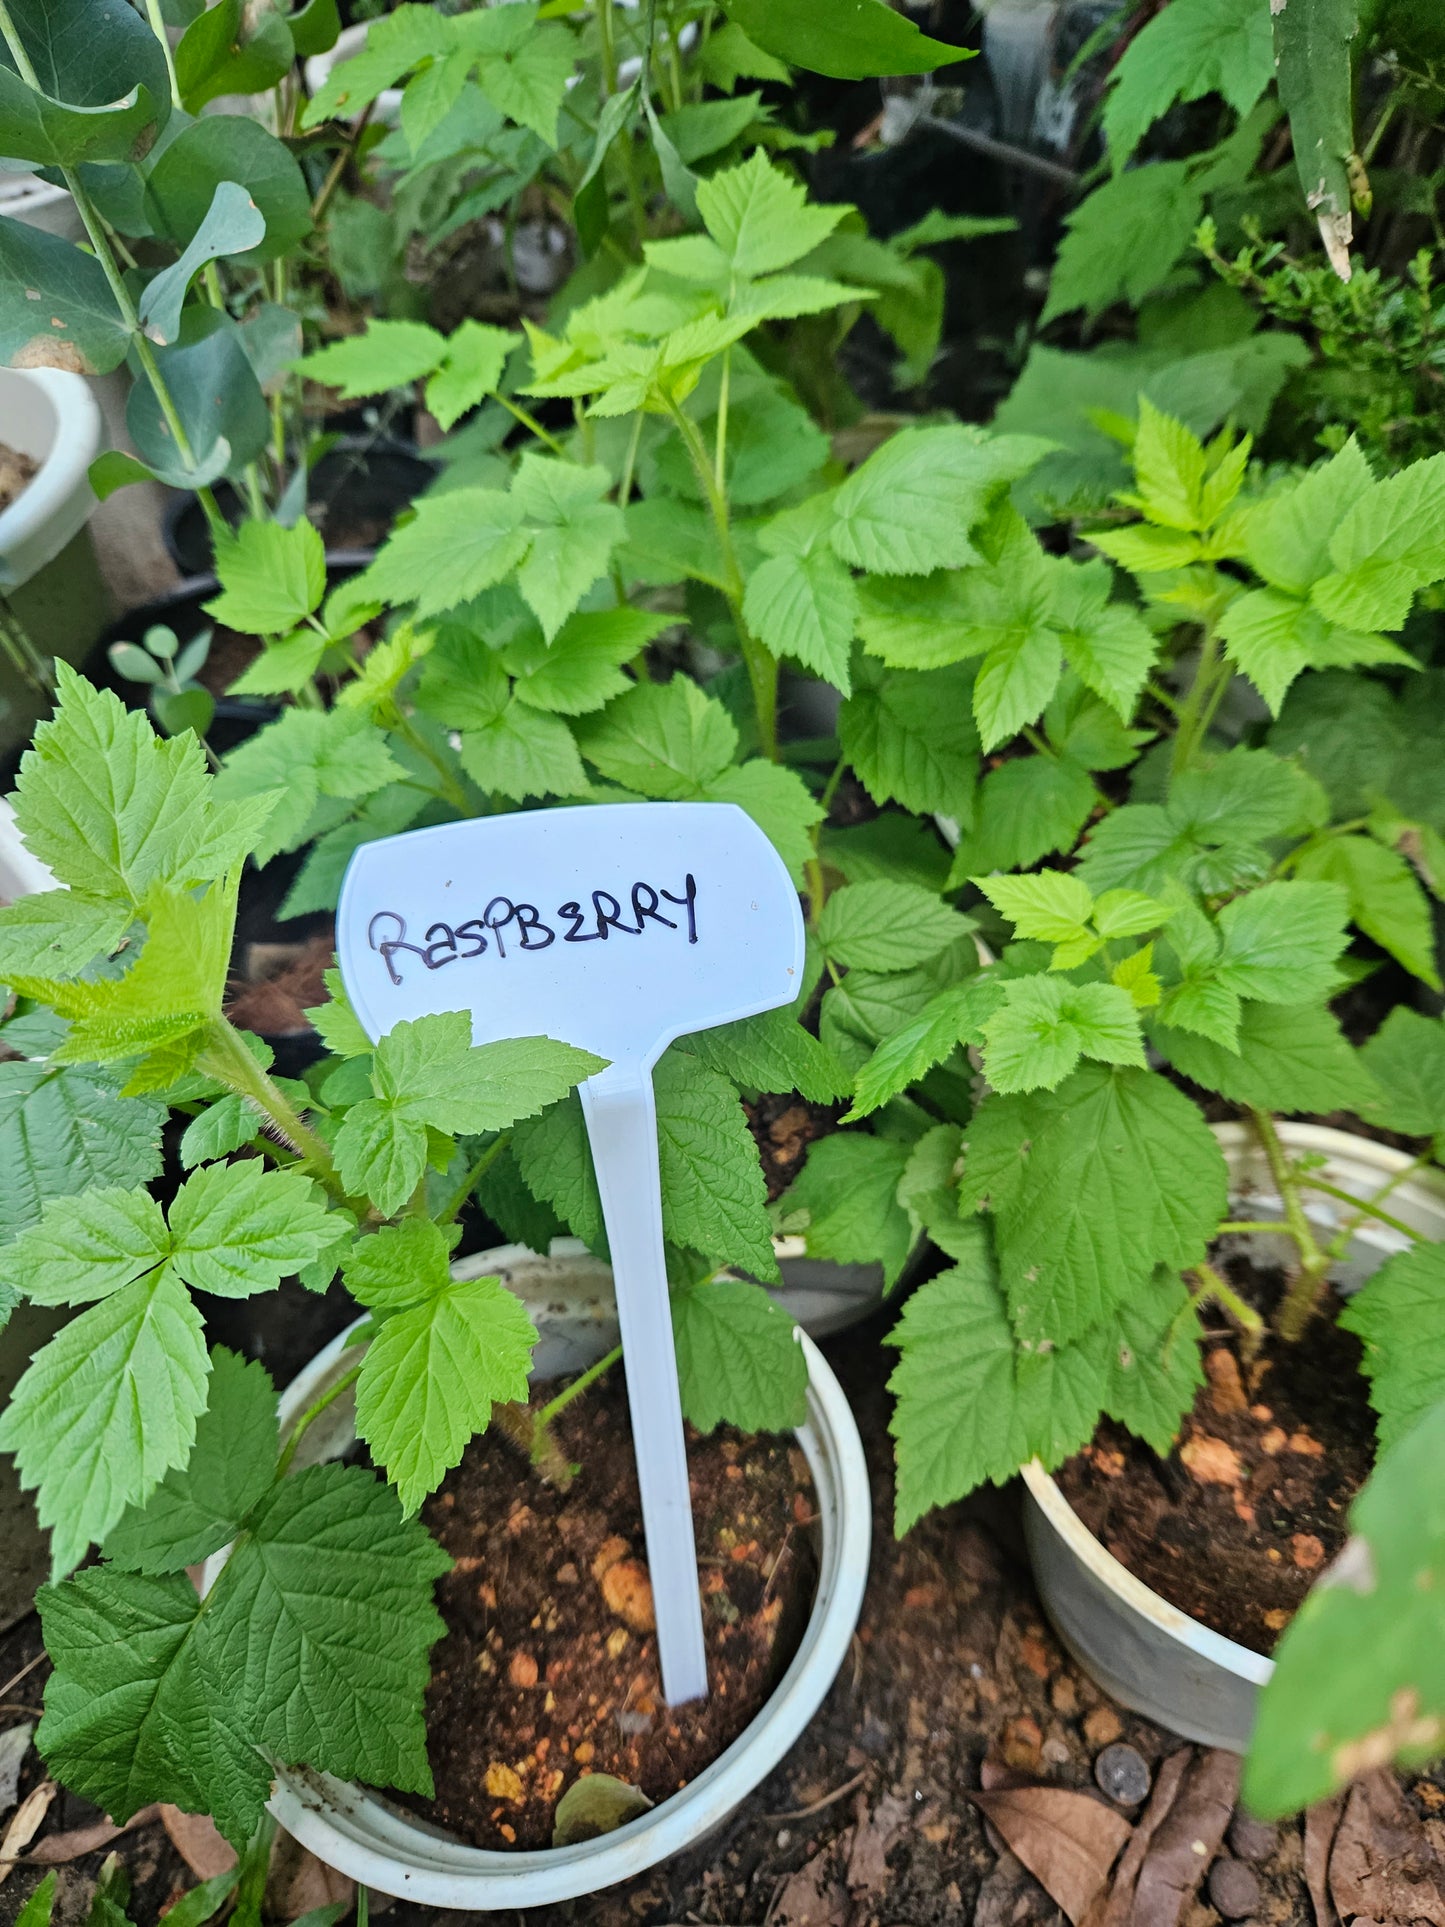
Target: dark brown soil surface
column 953, row 1680
column 284, row 982
column 783, row 1126
column 549, row 1666
column 1234, row 1527
column 17, row 472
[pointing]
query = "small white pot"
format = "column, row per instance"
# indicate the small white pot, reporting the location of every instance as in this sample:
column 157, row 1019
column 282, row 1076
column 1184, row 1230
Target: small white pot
column 363, row 1835
column 49, row 580
column 21, row 874
column 1144, row 1652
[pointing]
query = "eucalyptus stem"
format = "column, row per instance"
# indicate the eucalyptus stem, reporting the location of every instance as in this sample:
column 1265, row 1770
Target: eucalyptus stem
column 309, row 1417
column 158, row 28
column 1302, row 1298
column 762, row 666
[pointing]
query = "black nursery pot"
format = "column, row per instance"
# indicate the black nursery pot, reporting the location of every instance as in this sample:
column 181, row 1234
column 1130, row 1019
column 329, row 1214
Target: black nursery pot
column 356, row 492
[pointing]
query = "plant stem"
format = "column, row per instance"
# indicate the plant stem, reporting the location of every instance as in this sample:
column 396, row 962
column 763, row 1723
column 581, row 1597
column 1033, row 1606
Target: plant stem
column 575, row 1390
column 28, row 662
column 309, row 1417
column 1249, row 1224
column 338, row 166
column 451, row 790
column 145, row 354
column 629, row 466
column 226, row 1057
column 531, row 423
column 255, row 1865
column 1216, row 1289
column 1302, row 1298
column 158, row 28
column 720, row 446
column 762, row 667
column 1366, row 1207
column 474, row 1176
column 1198, row 706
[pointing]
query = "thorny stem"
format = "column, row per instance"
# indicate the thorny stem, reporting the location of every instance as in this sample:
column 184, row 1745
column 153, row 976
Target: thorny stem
column 225, row 1056
column 1216, row 1289
column 309, row 1417
column 1302, row 1298
column 762, row 667
column 474, row 1176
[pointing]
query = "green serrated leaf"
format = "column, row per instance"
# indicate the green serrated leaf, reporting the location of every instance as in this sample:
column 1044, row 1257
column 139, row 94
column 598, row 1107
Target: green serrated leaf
column 1399, row 1317
column 271, row 577
column 738, row 1358
column 849, row 1189
column 1289, row 1058
column 887, row 926
column 714, row 1199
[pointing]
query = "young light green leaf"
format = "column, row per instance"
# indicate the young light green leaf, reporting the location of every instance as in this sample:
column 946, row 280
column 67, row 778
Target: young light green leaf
column 1108, row 646
column 237, row 1229
column 1053, row 906
column 581, row 668
column 738, row 1358
column 200, row 1507
column 431, row 1375
column 388, row 354
column 56, row 933
column 959, row 1014
column 271, row 577
column 887, row 926
column 856, row 40
column 476, row 354
column 713, row 1196
column 1045, row 1024
column 1213, row 46
column 1386, row 548
column 105, row 1410
column 805, row 606
column 306, row 755
column 523, row 752
column 399, row 1264
column 1092, row 1187
column 459, row 543
column 1124, row 238
column 574, row 531
column 84, row 1248
column 1027, row 808
column 761, row 217
column 336, row 1023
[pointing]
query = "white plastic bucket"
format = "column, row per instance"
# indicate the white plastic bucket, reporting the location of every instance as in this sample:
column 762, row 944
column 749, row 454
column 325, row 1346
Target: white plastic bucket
column 364, row 1836
column 1143, row 1651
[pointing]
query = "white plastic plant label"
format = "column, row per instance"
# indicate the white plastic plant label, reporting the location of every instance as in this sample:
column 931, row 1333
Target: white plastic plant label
column 616, row 927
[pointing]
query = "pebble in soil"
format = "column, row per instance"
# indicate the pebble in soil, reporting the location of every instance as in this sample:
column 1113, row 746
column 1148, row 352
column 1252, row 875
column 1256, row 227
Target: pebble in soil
column 549, row 1665
column 1234, row 1527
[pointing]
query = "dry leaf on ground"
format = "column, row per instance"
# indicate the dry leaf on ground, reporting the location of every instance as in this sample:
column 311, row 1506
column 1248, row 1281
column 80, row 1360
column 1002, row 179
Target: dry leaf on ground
column 1321, row 1824
column 24, row 1825
column 876, row 1831
column 1383, row 1863
column 1187, row 1840
column 1116, row 1909
column 298, row 1882
column 199, row 1842
column 814, row 1896
column 1068, row 1841
column 58, row 1848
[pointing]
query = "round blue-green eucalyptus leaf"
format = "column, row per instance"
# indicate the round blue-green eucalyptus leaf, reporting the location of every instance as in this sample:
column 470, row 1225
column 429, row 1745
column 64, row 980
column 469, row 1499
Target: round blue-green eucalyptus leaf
column 224, row 147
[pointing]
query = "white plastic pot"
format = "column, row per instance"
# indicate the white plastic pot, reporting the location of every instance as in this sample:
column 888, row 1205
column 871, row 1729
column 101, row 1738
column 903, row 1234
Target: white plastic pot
column 49, row 581
column 365, row 1836
column 1143, row 1651
column 21, row 874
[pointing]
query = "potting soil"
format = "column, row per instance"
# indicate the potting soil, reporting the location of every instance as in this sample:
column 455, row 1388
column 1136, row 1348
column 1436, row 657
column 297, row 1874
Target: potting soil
column 1234, row 1527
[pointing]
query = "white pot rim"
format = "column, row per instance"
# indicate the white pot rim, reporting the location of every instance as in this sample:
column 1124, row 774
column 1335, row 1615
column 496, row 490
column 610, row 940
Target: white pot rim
column 50, row 415
column 377, row 1844
column 1047, row 1494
